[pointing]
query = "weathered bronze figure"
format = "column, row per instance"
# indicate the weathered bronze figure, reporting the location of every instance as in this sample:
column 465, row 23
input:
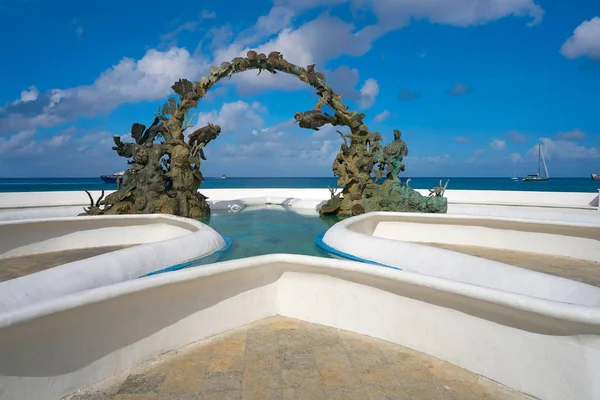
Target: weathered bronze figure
column 165, row 176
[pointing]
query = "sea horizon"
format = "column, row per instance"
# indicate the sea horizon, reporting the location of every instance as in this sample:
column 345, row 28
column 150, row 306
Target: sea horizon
column 558, row 184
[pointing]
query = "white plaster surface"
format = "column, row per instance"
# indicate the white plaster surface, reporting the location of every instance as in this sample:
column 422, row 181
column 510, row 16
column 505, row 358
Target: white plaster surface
column 164, row 240
column 534, row 205
column 391, row 245
column 22, row 238
column 545, row 348
column 506, row 239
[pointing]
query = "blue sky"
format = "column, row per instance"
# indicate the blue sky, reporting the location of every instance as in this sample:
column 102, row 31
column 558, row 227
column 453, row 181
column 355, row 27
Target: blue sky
column 473, row 85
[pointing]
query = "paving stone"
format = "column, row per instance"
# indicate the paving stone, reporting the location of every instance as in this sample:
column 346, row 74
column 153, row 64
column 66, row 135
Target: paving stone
column 565, row 267
column 320, row 335
column 215, row 381
column 339, row 377
column 262, row 394
column 331, row 357
column 428, row 390
column 258, row 361
column 284, row 359
column 20, row 266
column 378, row 392
column 293, row 341
column 297, row 361
column 346, row 393
column 90, row 396
column 187, row 379
column 260, row 380
column 177, row 396
column 142, row 384
column 135, row 397
column 300, row 377
column 304, row 393
column 411, row 373
column 221, row 395
column 377, row 375
column 225, row 363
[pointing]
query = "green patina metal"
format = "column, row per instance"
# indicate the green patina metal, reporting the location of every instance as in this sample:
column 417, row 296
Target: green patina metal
column 165, row 169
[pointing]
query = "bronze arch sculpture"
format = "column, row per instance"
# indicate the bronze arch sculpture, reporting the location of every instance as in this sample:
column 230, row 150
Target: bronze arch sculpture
column 165, row 176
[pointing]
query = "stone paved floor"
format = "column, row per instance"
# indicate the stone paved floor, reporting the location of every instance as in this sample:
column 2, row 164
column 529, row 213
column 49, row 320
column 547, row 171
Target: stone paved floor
column 565, row 267
column 12, row 268
column 286, row 359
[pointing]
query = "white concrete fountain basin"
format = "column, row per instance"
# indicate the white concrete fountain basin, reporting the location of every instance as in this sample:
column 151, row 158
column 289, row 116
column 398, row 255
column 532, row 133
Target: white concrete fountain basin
column 576, row 207
column 386, row 238
column 158, row 241
column 546, row 348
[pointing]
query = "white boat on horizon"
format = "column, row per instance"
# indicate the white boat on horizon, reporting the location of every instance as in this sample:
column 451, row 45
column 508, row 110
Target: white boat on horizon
column 112, row 178
column 537, row 177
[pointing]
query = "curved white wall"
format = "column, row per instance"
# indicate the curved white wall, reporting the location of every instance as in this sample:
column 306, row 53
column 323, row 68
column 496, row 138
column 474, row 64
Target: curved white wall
column 164, row 241
column 355, row 236
column 548, row 349
column 506, row 239
column 21, row 238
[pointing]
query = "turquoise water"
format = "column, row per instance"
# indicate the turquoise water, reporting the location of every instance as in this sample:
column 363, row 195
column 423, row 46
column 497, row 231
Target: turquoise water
column 257, row 231
column 75, row 184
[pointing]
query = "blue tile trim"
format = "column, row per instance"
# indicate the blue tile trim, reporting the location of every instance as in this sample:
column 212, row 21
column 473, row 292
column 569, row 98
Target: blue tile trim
column 186, row 264
column 331, row 250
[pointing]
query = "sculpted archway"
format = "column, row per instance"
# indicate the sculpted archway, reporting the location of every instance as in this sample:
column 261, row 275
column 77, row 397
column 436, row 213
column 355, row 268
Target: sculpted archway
column 164, row 176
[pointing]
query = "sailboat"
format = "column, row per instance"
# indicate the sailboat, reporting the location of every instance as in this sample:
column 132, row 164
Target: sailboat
column 514, row 178
column 537, row 177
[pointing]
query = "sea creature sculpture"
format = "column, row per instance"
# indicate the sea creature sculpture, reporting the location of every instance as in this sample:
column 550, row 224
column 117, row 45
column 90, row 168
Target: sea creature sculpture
column 164, row 174
column 333, row 204
column 314, row 119
column 439, row 190
column 201, row 137
column 94, row 208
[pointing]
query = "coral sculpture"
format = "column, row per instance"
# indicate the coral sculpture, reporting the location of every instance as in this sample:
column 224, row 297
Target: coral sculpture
column 165, row 169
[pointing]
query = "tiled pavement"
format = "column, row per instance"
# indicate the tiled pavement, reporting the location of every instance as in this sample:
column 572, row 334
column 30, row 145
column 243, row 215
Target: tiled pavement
column 285, row 359
column 20, row 266
column 565, row 267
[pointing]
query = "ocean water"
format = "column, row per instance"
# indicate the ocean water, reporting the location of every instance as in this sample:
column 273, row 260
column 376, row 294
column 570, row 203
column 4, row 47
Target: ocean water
column 76, row 184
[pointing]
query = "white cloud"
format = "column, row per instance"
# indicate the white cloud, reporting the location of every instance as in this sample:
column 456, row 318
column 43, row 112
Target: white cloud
column 575, row 134
column 368, row 94
column 79, row 31
column 205, row 14
column 396, row 13
column 516, row 136
column 385, row 114
column 326, row 37
column 149, row 78
column 475, row 156
column 232, row 117
column 17, row 142
column 317, row 41
column 29, row 154
column 563, row 150
column 29, row 95
column 515, row 158
column 419, row 160
column 498, row 144
column 459, row 89
column 462, row 139
column 274, row 151
column 585, row 40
